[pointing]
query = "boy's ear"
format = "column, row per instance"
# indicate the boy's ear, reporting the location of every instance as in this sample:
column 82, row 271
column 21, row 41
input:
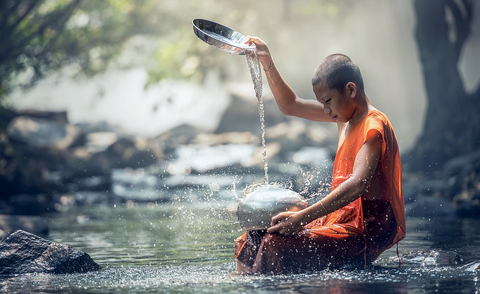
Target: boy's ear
column 351, row 88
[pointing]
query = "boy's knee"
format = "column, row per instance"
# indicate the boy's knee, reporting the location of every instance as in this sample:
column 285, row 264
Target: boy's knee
column 280, row 243
column 273, row 240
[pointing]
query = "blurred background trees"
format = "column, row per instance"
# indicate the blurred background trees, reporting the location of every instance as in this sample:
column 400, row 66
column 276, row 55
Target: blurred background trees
column 42, row 37
column 452, row 123
column 39, row 38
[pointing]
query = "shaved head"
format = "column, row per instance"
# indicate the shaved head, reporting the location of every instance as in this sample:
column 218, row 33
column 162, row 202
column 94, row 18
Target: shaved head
column 338, row 70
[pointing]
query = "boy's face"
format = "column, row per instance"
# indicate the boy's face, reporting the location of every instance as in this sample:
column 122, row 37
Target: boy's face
column 340, row 106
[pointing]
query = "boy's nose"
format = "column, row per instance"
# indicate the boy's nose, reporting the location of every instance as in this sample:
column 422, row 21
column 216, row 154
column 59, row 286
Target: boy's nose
column 327, row 110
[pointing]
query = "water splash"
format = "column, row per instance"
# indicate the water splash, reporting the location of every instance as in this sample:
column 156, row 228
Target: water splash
column 217, row 278
column 256, row 186
column 255, row 72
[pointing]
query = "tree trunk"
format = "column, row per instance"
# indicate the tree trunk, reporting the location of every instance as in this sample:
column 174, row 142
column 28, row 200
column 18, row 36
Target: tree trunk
column 451, row 124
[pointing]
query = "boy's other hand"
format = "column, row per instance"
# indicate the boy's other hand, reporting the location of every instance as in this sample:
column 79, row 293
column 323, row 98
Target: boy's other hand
column 285, row 223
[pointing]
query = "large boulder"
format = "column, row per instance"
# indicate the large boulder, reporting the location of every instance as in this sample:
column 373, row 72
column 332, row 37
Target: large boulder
column 60, row 116
column 457, row 188
column 8, row 164
column 43, row 133
column 33, row 146
column 22, row 253
column 124, row 153
column 24, row 169
column 464, row 176
column 180, row 135
column 242, row 114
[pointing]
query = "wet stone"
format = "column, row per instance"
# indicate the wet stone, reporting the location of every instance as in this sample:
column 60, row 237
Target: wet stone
column 23, row 253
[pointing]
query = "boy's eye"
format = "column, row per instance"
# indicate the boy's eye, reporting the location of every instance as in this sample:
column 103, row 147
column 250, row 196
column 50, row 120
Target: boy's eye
column 328, row 100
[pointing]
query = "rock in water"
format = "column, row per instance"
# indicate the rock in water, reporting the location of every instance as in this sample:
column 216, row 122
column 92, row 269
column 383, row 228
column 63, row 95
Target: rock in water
column 22, row 253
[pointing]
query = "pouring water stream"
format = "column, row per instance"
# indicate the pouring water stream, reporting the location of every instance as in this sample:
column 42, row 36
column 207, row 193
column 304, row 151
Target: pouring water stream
column 254, row 67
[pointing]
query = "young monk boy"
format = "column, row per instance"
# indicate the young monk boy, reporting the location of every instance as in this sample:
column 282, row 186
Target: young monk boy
column 363, row 215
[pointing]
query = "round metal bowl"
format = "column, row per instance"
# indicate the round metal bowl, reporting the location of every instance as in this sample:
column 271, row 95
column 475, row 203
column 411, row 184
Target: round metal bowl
column 256, row 209
column 221, row 36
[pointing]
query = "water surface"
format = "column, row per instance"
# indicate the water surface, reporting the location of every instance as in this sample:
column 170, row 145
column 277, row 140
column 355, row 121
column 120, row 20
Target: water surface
column 188, row 248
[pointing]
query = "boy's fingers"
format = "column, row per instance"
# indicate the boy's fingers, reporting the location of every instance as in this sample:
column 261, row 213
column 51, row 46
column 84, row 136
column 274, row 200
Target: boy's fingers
column 253, row 40
column 272, row 229
column 278, row 218
column 249, row 40
column 280, row 230
column 276, row 229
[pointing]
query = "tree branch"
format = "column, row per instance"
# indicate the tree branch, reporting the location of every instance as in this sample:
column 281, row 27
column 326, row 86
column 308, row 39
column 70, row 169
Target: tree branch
column 7, row 31
column 52, row 18
column 6, row 9
column 462, row 23
column 28, row 10
column 54, row 21
column 64, row 17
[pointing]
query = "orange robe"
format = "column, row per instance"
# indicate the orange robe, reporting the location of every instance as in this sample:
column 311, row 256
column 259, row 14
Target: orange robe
column 357, row 233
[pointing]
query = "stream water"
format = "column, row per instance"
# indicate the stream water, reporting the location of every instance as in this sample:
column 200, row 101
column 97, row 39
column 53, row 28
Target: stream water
column 187, row 247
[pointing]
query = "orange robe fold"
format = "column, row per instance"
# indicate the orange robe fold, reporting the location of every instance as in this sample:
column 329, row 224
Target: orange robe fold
column 355, row 234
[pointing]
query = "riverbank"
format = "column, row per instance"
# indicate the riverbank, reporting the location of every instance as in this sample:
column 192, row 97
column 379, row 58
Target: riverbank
column 49, row 163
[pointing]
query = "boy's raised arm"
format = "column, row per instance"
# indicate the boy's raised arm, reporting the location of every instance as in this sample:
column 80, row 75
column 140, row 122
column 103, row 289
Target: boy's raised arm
column 288, row 102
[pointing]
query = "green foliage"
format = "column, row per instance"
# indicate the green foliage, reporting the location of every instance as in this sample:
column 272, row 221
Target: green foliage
column 171, row 59
column 40, row 37
column 182, row 55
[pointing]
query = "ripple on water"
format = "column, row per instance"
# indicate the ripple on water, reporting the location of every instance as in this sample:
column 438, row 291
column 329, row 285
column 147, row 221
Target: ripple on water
column 219, row 278
column 146, row 250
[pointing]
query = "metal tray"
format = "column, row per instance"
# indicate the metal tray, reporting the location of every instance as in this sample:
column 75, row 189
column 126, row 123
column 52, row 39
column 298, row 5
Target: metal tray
column 256, row 209
column 221, row 36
